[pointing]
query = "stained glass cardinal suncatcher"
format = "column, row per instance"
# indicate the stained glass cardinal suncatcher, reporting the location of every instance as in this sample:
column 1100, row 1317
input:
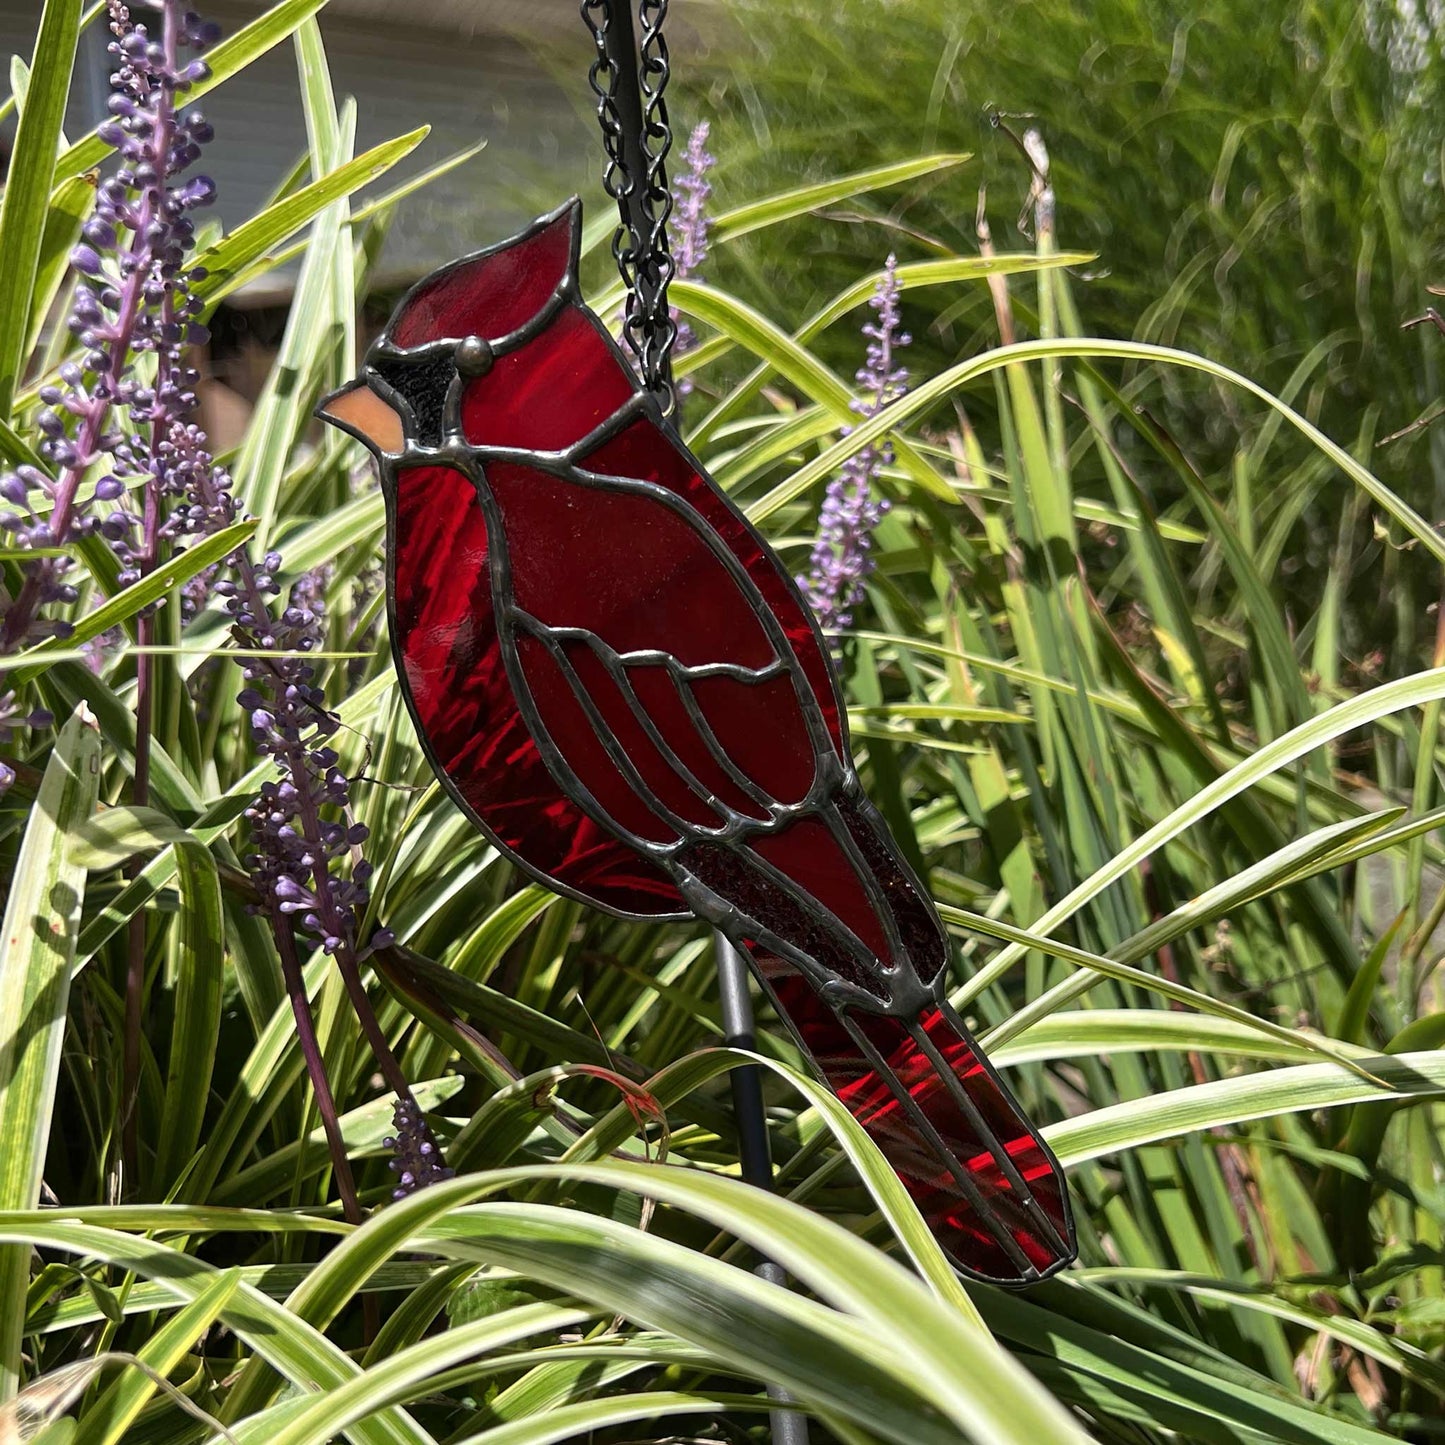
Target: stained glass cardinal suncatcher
column 618, row 682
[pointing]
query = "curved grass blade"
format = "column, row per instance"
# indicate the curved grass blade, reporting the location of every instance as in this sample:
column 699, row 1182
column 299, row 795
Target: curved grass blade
column 929, row 393
column 300, row 1354
column 1344, row 717
column 1225, row 1102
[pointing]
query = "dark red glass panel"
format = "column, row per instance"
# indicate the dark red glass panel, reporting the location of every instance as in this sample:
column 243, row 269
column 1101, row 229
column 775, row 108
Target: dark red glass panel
column 641, row 450
column 929, row 1172
column 446, row 637
column 556, row 390
column 919, row 929
column 549, row 393
column 671, row 596
column 488, row 296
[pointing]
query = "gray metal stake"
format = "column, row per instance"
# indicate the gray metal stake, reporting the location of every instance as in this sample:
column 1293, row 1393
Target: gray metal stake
column 788, row 1427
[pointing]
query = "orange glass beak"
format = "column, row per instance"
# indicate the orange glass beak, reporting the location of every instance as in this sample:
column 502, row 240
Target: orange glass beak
column 359, row 411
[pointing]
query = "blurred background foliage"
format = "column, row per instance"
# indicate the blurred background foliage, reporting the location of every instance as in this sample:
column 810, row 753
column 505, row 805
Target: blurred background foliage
column 1261, row 183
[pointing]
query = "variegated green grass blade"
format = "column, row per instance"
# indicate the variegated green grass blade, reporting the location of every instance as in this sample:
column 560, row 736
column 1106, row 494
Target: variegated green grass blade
column 303, row 1356
column 1135, row 1122
column 798, row 201
column 42, row 918
column 947, row 1357
column 910, row 276
column 230, row 57
column 26, row 202
column 112, row 1415
column 234, row 257
column 315, row 327
column 763, row 338
column 130, row 601
column 409, row 1372
column 1088, row 1033
column 69, row 205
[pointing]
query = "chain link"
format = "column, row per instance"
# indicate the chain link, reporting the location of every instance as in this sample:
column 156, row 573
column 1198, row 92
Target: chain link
column 640, row 243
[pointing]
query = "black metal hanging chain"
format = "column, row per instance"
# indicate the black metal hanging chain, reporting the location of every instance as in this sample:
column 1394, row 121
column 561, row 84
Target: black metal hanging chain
column 632, row 112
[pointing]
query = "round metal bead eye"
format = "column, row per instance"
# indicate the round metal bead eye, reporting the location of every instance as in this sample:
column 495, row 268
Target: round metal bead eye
column 474, row 357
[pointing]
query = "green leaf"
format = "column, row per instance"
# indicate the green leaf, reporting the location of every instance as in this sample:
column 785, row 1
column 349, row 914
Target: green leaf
column 1090, row 1033
column 111, row 837
column 25, row 205
column 107, row 1421
column 16, row 450
column 362, row 1128
column 373, row 208
column 301, row 1355
column 196, row 1025
column 785, row 205
column 1135, row 1122
column 234, row 258
column 42, row 919
column 403, row 1375
column 181, row 567
column 579, row 1420
column 320, row 319
column 755, row 333
column 932, row 391
column 1355, row 1010
column 909, row 276
column 69, row 206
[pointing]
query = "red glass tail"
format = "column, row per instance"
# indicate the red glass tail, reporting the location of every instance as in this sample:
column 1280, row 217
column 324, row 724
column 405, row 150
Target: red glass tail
column 987, row 1185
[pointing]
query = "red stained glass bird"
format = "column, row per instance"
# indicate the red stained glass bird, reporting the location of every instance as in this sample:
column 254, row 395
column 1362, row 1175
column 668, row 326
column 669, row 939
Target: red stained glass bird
column 617, row 680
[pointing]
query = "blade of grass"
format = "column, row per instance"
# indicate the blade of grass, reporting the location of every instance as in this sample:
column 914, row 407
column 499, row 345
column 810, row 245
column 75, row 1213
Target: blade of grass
column 42, row 919
column 26, row 201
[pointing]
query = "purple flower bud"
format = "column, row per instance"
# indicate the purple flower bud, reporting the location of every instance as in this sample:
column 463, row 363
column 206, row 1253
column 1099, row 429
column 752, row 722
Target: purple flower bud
column 842, row 556
column 98, row 232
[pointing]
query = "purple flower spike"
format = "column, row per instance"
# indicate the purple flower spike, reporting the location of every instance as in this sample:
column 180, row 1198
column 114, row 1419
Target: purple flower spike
column 690, row 225
column 842, row 556
column 134, row 299
column 418, row 1160
column 690, row 222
